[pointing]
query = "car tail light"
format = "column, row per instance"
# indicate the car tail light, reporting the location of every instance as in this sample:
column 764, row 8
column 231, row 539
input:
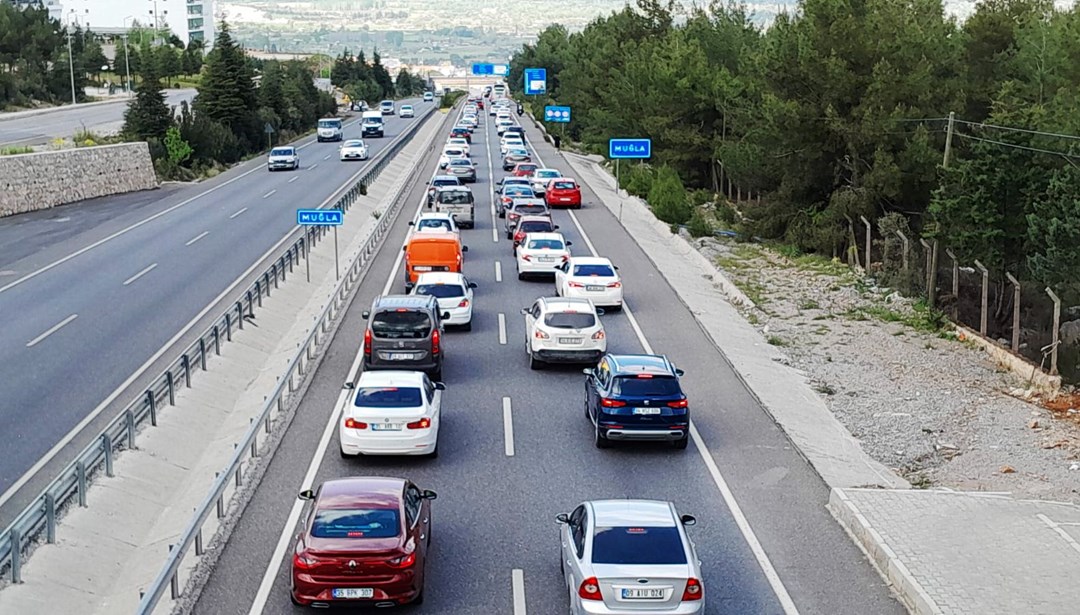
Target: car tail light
column 352, row 423
column 540, row 335
column 506, row 199
column 611, row 403
column 565, row 258
column 404, row 561
column 423, row 423
column 464, row 303
column 599, row 335
column 682, row 403
column 303, row 561
column 693, row 590
column 526, row 257
column 367, row 343
column 615, row 285
column 590, row 589
column 435, row 342
column 514, row 216
column 576, row 285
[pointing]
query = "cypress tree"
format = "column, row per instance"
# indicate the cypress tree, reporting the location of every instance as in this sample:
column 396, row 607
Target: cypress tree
column 148, row 116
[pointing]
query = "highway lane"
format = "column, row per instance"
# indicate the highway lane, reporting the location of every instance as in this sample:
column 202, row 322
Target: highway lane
column 198, row 245
column 66, row 121
column 495, row 511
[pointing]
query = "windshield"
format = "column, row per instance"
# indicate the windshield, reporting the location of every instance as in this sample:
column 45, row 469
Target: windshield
column 373, row 120
column 406, row 107
column 329, row 123
column 387, row 103
column 569, row 320
column 564, row 185
column 354, row 143
column 388, row 397
column 435, row 223
column 441, row 291
column 340, row 523
column 455, row 197
column 401, row 325
column 281, row 151
column 545, row 244
column 657, row 386
column 658, row 546
column 594, row 270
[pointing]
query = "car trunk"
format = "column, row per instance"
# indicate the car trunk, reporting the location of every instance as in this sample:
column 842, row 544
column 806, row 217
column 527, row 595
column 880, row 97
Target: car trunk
column 386, row 422
column 332, row 557
column 401, row 336
column 647, row 402
column 662, row 587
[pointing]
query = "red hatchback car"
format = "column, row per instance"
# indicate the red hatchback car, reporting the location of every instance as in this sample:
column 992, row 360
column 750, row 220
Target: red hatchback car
column 563, row 192
column 524, row 169
column 364, row 542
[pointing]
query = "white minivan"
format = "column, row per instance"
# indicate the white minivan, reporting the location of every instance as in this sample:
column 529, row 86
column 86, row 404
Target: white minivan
column 387, row 107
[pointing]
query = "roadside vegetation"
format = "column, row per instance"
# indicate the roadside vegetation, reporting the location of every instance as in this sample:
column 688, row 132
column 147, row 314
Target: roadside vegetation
column 370, row 81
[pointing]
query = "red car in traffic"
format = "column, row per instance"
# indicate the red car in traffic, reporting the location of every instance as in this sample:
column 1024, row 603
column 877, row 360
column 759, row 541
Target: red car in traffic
column 524, row 169
column 364, row 543
column 563, row 192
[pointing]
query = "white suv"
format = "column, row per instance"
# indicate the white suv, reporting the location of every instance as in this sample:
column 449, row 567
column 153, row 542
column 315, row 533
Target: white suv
column 453, row 291
column 391, row 413
column 541, row 253
column 590, row 277
column 559, row 330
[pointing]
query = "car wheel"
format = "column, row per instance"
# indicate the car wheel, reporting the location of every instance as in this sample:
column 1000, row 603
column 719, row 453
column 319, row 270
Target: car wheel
column 615, row 308
column 599, row 440
column 509, row 235
column 521, row 276
column 681, row 443
column 467, row 326
column 292, row 597
column 502, row 213
column 437, row 374
column 534, row 363
column 419, row 599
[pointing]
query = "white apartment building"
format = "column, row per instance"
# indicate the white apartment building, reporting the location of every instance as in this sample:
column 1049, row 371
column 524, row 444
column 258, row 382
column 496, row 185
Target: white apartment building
column 188, row 19
column 53, row 6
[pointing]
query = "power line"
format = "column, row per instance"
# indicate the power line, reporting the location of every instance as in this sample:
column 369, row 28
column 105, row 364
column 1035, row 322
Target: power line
column 1023, row 147
column 1024, row 130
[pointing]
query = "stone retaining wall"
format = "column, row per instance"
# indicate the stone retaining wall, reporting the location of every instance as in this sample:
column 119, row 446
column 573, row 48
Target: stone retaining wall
column 29, row 182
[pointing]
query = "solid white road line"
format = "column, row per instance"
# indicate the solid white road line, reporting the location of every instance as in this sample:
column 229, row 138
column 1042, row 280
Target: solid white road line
column 743, row 524
column 517, row 576
column 498, row 271
column 140, row 274
column 491, row 184
column 197, row 237
column 312, row 167
column 267, row 195
column 502, row 328
column 51, row 330
column 238, row 212
column 508, row 427
column 294, row 179
column 326, row 157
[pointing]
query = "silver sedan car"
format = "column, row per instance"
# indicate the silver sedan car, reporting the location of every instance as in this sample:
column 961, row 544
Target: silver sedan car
column 630, row 557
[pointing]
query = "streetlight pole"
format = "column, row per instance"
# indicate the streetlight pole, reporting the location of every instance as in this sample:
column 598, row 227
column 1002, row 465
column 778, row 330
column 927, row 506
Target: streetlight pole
column 127, row 59
column 71, row 67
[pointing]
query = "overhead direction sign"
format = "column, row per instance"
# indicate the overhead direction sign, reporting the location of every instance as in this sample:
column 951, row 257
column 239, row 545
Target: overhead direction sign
column 629, row 148
column 554, row 113
column 320, row 217
column 535, row 81
column 502, row 70
column 483, row 69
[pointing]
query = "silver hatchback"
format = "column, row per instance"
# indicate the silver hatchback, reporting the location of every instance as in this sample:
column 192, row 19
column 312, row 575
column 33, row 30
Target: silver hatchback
column 630, row 557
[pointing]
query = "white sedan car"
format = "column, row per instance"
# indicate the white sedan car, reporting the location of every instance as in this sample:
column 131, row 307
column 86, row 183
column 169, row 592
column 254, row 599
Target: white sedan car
column 590, row 277
column 622, row 557
column 461, row 142
column 541, row 253
column 510, row 142
column 540, row 179
column 450, row 151
column 437, row 222
column 453, row 291
column 406, row 112
column 391, row 413
column 353, row 149
column 559, row 330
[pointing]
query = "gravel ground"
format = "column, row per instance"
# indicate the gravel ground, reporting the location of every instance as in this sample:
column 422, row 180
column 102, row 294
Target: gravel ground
column 932, row 407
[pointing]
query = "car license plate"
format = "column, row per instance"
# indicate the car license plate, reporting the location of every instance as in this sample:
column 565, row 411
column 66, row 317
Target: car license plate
column 400, row 356
column 546, row 259
column 354, row 592
column 642, row 593
column 569, row 340
column 594, row 289
column 646, row 410
column 386, row 427
column 565, row 199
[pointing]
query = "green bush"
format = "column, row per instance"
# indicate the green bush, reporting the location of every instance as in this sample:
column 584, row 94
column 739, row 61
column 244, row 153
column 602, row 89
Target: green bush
column 450, row 98
column 699, row 226
column 638, row 180
column 700, row 197
column 726, row 214
column 668, row 198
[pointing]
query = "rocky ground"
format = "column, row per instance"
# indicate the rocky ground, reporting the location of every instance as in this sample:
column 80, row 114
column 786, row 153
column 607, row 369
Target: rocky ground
column 921, row 401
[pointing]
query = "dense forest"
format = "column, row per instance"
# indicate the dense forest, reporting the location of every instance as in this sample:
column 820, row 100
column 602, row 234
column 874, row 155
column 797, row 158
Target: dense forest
column 840, row 110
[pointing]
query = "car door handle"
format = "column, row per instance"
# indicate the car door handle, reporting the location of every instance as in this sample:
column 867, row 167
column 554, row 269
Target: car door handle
column 422, row 536
column 425, row 520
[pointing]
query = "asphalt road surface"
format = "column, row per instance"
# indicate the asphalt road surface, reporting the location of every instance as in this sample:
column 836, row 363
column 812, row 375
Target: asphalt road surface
column 496, row 511
column 66, row 121
column 91, row 294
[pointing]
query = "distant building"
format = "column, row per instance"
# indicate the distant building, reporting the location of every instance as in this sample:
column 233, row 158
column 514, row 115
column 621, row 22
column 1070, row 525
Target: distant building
column 55, row 9
column 191, row 20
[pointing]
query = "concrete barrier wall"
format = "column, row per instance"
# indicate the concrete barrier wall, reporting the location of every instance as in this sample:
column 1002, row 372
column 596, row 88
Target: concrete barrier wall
column 29, row 182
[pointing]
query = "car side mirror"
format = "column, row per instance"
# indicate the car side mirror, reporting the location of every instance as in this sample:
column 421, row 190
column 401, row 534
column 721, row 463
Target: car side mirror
column 440, row 386
column 688, row 519
column 306, row 494
column 366, row 314
column 569, row 243
column 446, row 315
column 428, row 494
column 403, row 248
column 524, row 311
column 588, row 371
column 599, row 311
column 679, row 372
column 409, row 286
column 472, row 284
column 464, row 248
column 349, row 385
column 411, row 223
column 562, row 518
column 616, row 268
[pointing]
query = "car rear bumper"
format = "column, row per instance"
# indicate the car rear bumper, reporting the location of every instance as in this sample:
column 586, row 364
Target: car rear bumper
column 459, row 316
column 419, row 366
column 566, row 355
column 402, row 590
column 604, row 298
column 563, row 202
column 660, row 435
column 597, row 607
column 404, row 442
column 536, row 267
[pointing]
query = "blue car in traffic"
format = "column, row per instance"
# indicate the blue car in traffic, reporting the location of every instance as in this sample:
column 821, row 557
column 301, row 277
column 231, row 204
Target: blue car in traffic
column 636, row 397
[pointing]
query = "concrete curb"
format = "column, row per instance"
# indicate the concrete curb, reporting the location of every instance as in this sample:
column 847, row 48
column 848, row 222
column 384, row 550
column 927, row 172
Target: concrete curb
column 891, row 568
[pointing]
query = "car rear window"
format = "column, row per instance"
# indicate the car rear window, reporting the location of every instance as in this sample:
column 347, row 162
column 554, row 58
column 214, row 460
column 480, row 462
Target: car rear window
column 460, row 162
column 517, row 190
column 435, row 223
column 545, row 244
column 564, row 185
column 349, row 523
column 388, row 397
column 526, row 167
column 531, row 209
column 657, row 386
column 594, row 270
column 569, row 320
column 535, row 226
column 658, row 546
column 547, row 174
column 446, row 182
column 455, row 197
column 408, row 324
column 441, row 291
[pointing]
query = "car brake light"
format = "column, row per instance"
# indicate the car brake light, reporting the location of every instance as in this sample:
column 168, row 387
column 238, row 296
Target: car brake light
column 352, row 423
column 590, row 589
column 540, row 335
column 682, row 403
column 526, row 257
column 693, row 590
column 615, row 285
column 423, row 423
column 599, row 335
column 404, row 561
column 576, row 285
column 644, row 375
column 565, row 258
column 611, row 403
column 435, row 342
column 367, row 343
column 303, row 562
column 464, row 303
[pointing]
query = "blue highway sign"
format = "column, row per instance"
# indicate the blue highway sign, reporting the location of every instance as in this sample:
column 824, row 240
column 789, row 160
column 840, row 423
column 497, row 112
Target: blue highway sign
column 483, row 69
column 535, row 81
column 553, row 113
column 502, row 70
column 630, row 148
column 320, row 217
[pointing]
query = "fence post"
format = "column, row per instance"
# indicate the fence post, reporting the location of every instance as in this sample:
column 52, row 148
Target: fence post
column 906, row 249
column 985, row 296
column 50, row 517
column 955, row 283
column 1057, row 326
column 16, row 555
column 1016, row 312
column 869, row 237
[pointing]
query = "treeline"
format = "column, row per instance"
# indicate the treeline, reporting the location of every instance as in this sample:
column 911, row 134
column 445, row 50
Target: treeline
column 838, row 110
column 229, row 115
column 372, row 82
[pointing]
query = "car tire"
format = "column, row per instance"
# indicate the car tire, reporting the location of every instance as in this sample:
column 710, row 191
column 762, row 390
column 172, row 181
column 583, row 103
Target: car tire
column 437, row 374
column 599, row 440
column 681, row 443
column 521, row 276
column 467, row 326
column 615, row 308
column 502, row 213
column 536, row 364
column 419, row 599
column 509, row 235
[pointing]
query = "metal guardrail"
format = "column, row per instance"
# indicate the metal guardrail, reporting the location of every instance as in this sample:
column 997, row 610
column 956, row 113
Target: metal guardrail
column 40, row 516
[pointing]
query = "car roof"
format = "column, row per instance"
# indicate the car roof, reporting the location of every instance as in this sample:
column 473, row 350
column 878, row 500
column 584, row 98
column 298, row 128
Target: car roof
column 623, row 364
column 390, row 378
column 446, row 178
column 633, row 513
column 361, row 490
column 440, row 277
column 405, row 301
column 591, row 260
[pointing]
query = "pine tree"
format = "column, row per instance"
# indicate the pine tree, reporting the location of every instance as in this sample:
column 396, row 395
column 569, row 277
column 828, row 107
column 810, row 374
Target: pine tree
column 147, row 117
column 227, row 90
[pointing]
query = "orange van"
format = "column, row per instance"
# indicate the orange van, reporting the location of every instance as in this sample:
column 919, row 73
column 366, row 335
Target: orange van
column 432, row 251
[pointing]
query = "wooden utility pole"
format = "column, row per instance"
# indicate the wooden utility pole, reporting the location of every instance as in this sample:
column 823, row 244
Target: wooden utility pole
column 948, row 139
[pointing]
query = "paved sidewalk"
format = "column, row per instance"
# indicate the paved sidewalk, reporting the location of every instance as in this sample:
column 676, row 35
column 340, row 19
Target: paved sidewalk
column 968, row 553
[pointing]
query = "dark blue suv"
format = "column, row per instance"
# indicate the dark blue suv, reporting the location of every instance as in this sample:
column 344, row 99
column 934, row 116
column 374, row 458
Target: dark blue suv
column 636, row 397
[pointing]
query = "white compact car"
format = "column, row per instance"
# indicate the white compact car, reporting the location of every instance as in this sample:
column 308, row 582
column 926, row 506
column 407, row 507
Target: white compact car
column 502, row 125
column 460, row 142
column 453, row 291
column 623, row 557
column 590, row 277
column 540, row 179
column 559, row 330
column 391, row 413
column 451, row 151
column 406, row 112
column 510, row 142
column 541, row 253
column 440, row 222
column 353, row 149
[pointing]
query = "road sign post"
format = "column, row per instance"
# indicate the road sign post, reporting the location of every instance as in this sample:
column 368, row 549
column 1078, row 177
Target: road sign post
column 322, row 217
column 618, row 149
column 269, row 130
